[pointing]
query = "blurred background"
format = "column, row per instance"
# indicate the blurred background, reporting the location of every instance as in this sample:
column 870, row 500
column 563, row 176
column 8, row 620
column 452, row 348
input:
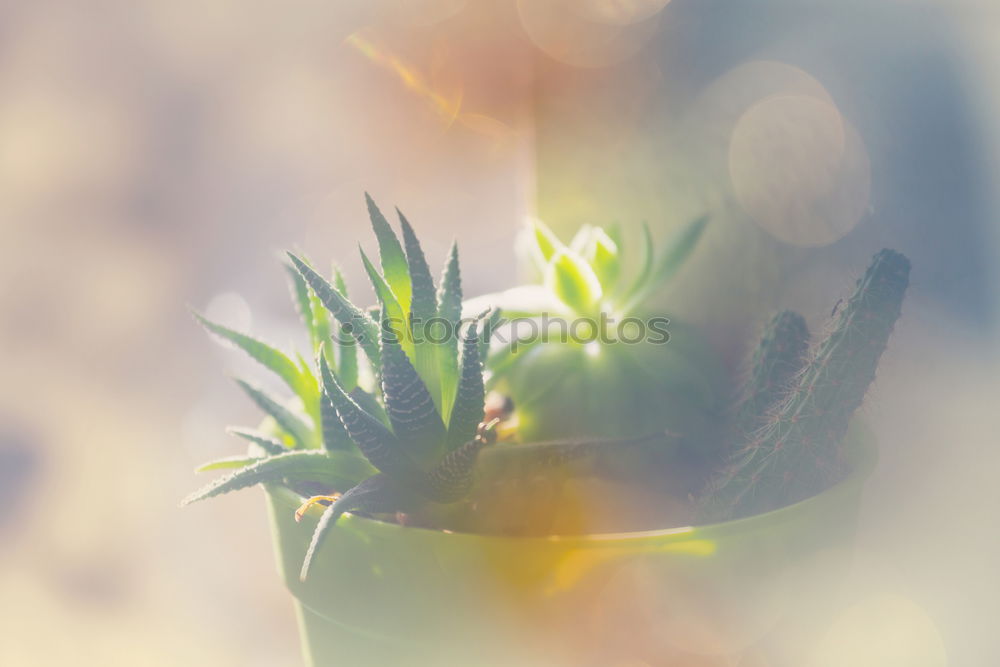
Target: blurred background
column 157, row 154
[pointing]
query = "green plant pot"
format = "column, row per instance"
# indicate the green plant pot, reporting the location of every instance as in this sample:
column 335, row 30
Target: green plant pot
column 382, row 594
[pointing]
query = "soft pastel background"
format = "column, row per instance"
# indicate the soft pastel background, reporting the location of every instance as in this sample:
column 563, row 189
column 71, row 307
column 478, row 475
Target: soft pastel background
column 155, row 154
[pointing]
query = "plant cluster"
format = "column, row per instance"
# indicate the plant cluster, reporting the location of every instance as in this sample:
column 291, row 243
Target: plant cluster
column 413, row 436
column 795, row 410
column 399, row 427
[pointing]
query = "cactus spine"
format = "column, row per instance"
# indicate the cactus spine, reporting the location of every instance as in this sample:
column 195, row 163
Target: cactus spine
column 798, row 450
column 777, row 361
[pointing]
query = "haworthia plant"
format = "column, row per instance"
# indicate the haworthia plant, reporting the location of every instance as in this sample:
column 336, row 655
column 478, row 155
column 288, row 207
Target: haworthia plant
column 798, row 450
column 412, row 437
column 419, row 460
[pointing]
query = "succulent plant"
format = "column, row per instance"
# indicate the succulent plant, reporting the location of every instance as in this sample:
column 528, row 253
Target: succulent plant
column 603, row 364
column 400, row 427
column 410, row 438
column 777, row 361
column 794, row 445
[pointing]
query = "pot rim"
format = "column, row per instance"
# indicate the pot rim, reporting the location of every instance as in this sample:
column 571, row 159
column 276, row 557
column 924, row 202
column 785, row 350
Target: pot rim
column 862, row 454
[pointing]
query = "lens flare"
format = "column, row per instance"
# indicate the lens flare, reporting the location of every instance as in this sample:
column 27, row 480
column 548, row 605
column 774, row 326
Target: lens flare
column 799, row 170
column 617, row 12
column 569, row 38
column 446, row 105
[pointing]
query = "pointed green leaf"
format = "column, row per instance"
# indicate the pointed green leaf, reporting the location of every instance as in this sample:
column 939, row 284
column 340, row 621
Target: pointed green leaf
column 423, row 302
column 391, row 308
column 300, row 293
column 335, row 469
column 270, row 445
column 668, row 263
column 339, row 283
column 614, row 232
column 603, row 256
column 286, row 419
column 379, row 445
column 311, row 309
column 369, row 403
column 581, row 239
column 391, row 255
column 449, row 310
column 573, row 281
column 521, row 302
column 450, row 291
column 642, row 278
column 545, row 243
column 491, row 324
column 467, row 412
column 408, row 402
column 347, row 348
column 423, row 314
column 334, row 434
column 678, row 250
column 321, row 332
column 309, row 391
column 451, row 479
column 379, row 493
column 270, row 357
column 227, row 463
column 360, row 326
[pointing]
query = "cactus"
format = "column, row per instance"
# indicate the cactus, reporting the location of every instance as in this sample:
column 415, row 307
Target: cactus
column 777, row 361
column 798, row 451
column 411, row 438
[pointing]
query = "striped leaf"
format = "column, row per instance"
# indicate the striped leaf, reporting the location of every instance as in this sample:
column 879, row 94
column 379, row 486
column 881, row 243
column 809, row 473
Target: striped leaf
column 391, row 255
column 335, row 469
column 360, row 326
column 450, row 310
column 451, row 479
column 334, row 434
column 414, row 417
column 370, row 403
column 286, row 419
column 470, row 399
column 423, row 314
column 379, row 493
column 227, row 463
column 270, row 445
column 270, row 357
column 347, row 348
column 423, row 303
column 379, row 445
column 391, row 309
